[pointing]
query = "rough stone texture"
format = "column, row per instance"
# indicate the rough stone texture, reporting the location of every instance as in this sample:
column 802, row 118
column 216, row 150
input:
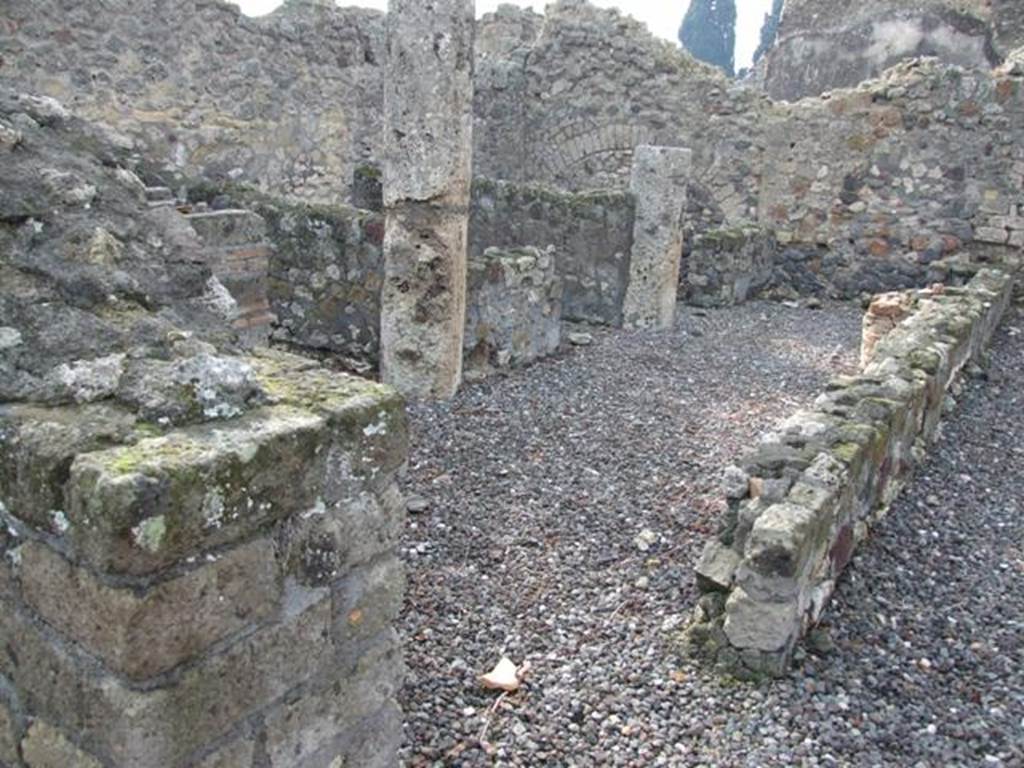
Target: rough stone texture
column 289, row 101
column 826, row 45
column 428, row 102
column 884, row 315
column 659, row 182
column 727, row 266
column 515, row 308
column 240, row 262
column 819, row 481
column 591, row 233
column 194, row 539
column 46, row 747
column 234, row 588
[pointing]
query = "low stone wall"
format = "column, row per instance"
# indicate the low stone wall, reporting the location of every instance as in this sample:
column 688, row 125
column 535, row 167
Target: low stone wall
column 514, row 312
column 592, row 234
column 810, row 492
column 727, row 266
column 215, row 594
column 326, row 265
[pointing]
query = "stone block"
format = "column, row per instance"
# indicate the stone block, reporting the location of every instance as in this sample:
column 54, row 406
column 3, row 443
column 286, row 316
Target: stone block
column 158, row 727
column 141, row 508
column 780, row 550
column 751, row 624
column 37, row 447
column 329, row 721
column 659, row 182
column 717, row 566
column 141, row 633
column 331, row 440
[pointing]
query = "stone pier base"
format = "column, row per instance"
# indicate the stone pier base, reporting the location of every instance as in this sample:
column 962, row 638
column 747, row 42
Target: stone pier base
column 216, row 595
column 659, row 181
column 428, row 104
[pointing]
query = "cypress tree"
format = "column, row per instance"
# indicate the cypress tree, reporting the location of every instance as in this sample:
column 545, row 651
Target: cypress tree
column 709, row 33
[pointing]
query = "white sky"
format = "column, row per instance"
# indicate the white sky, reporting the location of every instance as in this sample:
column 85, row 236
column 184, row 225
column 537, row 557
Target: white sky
column 663, row 17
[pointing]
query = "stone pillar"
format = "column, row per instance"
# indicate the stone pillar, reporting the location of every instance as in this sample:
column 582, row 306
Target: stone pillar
column 660, row 176
column 211, row 595
column 428, row 99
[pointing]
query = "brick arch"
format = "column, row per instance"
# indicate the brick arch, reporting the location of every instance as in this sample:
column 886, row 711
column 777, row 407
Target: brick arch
column 580, row 154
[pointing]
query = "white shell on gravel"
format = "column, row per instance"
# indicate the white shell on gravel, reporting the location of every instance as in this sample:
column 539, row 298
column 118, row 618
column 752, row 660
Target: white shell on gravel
column 503, row 677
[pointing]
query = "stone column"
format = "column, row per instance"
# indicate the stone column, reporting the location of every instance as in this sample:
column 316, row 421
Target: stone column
column 660, row 176
column 428, row 99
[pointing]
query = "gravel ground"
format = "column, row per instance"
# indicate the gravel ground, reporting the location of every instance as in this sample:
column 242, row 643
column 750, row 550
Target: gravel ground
column 542, row 487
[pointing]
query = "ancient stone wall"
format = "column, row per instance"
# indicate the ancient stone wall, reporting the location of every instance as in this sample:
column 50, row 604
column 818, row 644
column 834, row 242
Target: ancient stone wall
column 884, row 179
column 808, row 495
column 240, row 260
column 568, row 105
column 514, row 308
column 864, row 188
column 197, row 544
column 728, row 266
column 592, row 235
column 825, row 44
column 290, row 102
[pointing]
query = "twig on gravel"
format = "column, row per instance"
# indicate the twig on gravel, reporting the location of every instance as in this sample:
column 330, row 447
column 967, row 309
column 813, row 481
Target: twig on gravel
column 482, row 738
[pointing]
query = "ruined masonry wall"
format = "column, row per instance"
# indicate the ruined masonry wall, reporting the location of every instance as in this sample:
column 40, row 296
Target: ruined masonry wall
column 886, row 179
column 197, row 545
column 213, row 595
column 827, row 44
column 591, row 233
column 808, row 495
column 290, row 101
column 514, row 311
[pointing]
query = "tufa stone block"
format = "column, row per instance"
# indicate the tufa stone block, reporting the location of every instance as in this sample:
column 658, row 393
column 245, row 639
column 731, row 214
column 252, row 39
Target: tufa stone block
column 143, row 633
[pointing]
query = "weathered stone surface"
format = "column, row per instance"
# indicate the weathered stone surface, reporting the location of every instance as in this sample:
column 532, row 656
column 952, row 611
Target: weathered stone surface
column 761, row 626
column 727, row 266
column 591, row 233
column 659, row 183
column 156, row 728
column 240, row 261
column 290, row 101
column 514, row 309
column 8, row 735
column 717, row 566
column 143, row 633
column 37, row 447
column 840, row 464
column 884, row 314
column 238, row 754
column 428, row 98
column 46, row 747
column 328, row 722
column 824, row 45
column 140, row 508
